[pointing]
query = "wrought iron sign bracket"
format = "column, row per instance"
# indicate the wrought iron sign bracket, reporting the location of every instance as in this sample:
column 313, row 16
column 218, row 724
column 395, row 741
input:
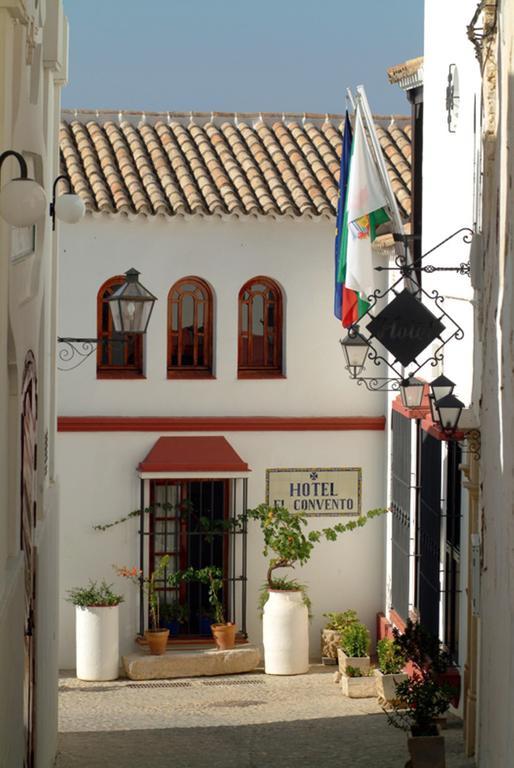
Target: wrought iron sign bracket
column 80, row 349
column 401, row 265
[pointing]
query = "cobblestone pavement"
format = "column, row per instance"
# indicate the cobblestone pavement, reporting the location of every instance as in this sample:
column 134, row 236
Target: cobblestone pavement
column 241, row 721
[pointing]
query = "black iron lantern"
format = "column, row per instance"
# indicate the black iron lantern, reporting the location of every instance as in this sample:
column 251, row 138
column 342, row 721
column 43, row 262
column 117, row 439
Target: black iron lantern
column 355, row 348
column 449, row 409
column 411, row 392
column 441, row 386
column 131, row 305
column 433, row 409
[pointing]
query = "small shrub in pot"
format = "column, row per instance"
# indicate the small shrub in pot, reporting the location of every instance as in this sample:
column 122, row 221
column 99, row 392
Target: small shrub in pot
column 354, row 650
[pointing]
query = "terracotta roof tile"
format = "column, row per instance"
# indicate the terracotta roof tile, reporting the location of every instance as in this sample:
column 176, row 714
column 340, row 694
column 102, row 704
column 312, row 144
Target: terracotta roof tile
column 251, row 164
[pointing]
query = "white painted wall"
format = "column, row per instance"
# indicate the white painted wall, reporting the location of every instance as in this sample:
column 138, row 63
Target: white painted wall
column 496, row 685
column 29, row 118
column 297, row 254
column 100, row 484
column 448, row 168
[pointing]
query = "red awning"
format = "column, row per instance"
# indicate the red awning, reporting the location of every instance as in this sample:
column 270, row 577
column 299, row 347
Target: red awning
column 207, row 456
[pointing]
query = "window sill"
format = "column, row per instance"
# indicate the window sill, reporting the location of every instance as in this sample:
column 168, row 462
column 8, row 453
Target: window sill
column 191, row 375
column 119, row 376
column 260, row 375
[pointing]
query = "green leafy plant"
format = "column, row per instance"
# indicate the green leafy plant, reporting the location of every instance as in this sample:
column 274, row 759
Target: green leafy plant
column 422, row 698
column 94, row 595
column 182, row 508
column 210, row 575
column 338, row 620
column 288, row 541
column 356, row 672
column 355, row 640
column 288, row 585
column 149, row 585
column 391, row 658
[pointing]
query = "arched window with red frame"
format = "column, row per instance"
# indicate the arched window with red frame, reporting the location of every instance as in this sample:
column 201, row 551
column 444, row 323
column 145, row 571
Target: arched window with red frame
column 260, row 329
column 190, row 313
column 123, row 357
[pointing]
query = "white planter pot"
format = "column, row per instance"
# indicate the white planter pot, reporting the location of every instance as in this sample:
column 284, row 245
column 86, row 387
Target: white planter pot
column 359, row 687
column 386, row 685
column 285, row 629
column 97, row 643
column 357, row 662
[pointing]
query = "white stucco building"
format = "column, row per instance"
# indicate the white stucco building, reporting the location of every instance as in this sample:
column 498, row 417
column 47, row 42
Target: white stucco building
column 33, row 61
column 222, row 215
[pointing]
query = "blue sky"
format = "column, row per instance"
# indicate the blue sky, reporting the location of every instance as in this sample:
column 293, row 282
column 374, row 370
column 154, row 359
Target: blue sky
column 238, row 55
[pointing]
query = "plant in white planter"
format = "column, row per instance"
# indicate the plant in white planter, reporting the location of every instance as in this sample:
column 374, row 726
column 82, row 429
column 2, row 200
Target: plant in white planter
column 97, row 630
column 285, row 617
column 391, row 661
column 354, row 650
column 357, row 684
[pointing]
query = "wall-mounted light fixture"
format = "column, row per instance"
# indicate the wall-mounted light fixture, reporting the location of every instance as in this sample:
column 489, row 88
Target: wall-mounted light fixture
column 446, row 410
column 22, row 200
column 131, row 306
column 69, row 207
column 411, row 392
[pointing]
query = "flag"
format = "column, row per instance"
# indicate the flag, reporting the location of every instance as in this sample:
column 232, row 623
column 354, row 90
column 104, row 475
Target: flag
column 345, row 301
column 365, row 210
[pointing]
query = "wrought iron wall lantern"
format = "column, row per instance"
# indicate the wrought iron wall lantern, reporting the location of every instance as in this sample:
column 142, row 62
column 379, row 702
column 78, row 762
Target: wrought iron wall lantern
column 405, row 327
column 446, row 411
column 131, row 307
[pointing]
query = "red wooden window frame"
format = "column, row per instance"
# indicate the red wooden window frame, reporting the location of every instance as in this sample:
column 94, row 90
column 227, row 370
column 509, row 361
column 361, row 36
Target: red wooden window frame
column 200, row 340
column 132, row 368
column 256, row 359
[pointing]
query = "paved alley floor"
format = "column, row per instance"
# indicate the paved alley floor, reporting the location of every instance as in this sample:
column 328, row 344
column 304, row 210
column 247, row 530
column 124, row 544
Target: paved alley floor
column 242, row 721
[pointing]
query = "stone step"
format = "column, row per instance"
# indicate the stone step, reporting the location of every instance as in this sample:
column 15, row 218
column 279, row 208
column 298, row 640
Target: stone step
column 191, row 663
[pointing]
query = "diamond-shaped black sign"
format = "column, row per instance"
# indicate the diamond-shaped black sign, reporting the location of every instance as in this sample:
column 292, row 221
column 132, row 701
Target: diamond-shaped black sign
column 405, row 327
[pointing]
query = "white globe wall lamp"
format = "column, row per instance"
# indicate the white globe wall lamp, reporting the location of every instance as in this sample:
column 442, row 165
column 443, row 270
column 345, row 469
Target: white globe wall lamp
column 68, row 207
column 22, row 200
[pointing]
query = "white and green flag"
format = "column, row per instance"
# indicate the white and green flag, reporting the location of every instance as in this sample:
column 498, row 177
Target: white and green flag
column 366, row 203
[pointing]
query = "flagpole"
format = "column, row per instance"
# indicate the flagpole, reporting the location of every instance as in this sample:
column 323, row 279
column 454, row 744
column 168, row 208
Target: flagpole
column 410, row 280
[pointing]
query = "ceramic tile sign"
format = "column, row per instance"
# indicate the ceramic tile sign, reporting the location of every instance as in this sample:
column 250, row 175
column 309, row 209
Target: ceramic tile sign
column 316, row 492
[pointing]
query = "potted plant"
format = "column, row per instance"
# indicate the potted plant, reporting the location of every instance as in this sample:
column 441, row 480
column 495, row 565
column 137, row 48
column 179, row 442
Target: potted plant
column 173, row 615
column 354, row 648
column 391, row 661
column 285, row 615
column 224, row 632
column 156, row 636
column 358, row 684
column 422, row 698
column 97, row 630
column 331, row 633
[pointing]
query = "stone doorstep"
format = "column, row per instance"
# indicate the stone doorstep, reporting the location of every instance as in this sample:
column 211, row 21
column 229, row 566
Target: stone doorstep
column 197, row 663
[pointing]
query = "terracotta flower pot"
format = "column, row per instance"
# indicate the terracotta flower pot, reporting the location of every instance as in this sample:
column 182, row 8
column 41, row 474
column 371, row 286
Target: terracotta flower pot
column 427, row 751
column 157, row 640
column 224, row 635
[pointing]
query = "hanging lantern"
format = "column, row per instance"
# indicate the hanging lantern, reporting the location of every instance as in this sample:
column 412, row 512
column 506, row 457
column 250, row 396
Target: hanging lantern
column 449, row 409
column 442, row 386
column 411, row 392
column 355, row 348
column 131, row 305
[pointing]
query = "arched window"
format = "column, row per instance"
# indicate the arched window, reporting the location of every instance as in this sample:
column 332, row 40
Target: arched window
column 190, row 329
column 122, row 359
column 260, row 329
